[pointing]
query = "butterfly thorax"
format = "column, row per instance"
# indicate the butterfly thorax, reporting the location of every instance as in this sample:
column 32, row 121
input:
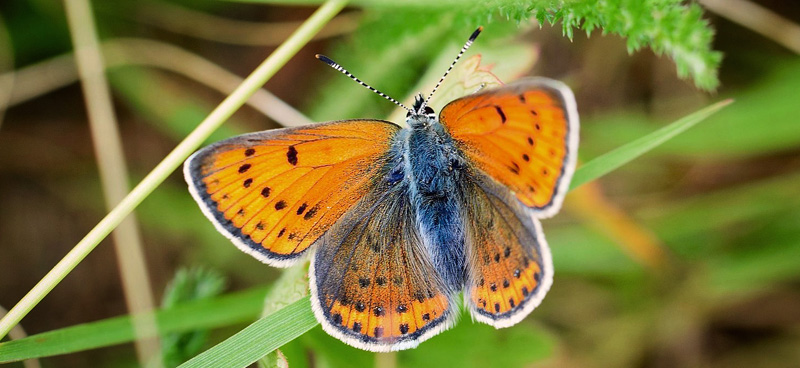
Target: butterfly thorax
column 433, row 159
column 435, row 167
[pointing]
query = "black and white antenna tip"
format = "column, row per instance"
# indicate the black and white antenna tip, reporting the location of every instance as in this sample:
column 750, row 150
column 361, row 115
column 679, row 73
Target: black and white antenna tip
column 338, row 67
column 475, row 34
column 460, row 53
column 327, row 60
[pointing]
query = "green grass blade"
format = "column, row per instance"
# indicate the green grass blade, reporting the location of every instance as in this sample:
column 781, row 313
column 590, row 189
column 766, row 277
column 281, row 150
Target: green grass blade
column 223, row 311
column 260, row 338
column 627, row 153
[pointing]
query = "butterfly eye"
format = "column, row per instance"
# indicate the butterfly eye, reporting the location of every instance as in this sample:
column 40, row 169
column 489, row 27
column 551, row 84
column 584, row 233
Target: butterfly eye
column 408, row 114
column 428, row 110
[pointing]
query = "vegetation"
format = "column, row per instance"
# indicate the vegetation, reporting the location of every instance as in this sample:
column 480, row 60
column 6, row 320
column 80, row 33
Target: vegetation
column 678, row 245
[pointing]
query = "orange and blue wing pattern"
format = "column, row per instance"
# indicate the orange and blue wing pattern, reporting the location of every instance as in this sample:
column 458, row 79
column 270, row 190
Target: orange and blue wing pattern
column 524, row 135
column 509, row 262
column 402, row 220
column 373, row 284
column 274, row 193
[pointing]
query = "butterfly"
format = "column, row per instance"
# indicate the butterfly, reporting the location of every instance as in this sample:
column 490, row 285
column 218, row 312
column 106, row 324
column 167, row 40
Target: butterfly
column 403, row 220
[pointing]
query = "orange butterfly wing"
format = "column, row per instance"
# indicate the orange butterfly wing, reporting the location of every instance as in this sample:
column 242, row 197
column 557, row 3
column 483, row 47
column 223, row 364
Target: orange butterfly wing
column 524, row 135
column 274, row 193
column 373, row 285
column 510, row 267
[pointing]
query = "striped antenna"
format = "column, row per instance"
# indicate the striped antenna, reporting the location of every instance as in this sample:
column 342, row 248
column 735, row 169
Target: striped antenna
column 463, row 50
column 338, row 67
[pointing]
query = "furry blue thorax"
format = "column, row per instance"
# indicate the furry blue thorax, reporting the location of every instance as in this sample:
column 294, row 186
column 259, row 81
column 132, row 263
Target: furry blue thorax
column 434, row 169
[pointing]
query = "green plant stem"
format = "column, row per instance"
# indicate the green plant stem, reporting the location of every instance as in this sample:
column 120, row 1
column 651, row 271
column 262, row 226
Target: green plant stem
column 386, row 360
column 173, row 160
column 113, row 175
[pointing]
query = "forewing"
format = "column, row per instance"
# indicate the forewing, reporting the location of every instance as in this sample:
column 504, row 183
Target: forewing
column 274, row 193
column 523, row 135
column 373, row 284
column 509, row 263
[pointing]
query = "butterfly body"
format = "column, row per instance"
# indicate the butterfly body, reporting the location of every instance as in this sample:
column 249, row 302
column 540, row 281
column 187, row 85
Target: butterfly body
column 435, row 169
column 400, row 221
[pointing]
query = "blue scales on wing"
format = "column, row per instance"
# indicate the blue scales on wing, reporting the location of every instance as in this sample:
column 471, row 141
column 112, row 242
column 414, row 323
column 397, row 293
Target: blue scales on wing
column 373, row 284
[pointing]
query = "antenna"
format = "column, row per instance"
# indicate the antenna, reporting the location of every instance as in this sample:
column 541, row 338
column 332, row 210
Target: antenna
column 463, row 50
column 338, row 67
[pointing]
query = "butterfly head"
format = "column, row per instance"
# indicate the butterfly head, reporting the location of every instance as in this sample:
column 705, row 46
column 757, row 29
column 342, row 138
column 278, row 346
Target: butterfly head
column 420, row 112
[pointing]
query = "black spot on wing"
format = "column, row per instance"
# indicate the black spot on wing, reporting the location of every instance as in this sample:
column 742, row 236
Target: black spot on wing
column 291, row 155
column 501, row 113
column 311, row 213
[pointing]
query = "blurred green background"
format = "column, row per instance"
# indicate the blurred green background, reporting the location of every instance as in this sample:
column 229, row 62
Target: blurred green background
column 687, row 257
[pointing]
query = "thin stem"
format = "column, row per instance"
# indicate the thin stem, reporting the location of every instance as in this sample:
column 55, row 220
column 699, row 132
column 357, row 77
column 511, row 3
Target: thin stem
column 186, row 21
column 113, row 175
column 46, row 76
column 17, row 333
column 759, row 19
column 6, row 63
column 386, row 360
column 173, row 160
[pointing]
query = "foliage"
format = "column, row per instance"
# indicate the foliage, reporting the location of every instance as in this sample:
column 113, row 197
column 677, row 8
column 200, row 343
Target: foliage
column 188, row 285
column 397, row 39
column 721, row 199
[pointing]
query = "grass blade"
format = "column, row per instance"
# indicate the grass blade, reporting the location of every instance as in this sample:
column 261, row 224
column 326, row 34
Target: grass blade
column 258, row 339
column 212, row 313
column 627, row 153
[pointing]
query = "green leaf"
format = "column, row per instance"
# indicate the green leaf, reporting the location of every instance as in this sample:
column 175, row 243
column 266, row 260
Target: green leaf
column 289, row 288
column 622, row 155
column 473, row 344
column 259, row 338
column 762, row 122
column 223, row 311
column 186, row 286
column 669, row 27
